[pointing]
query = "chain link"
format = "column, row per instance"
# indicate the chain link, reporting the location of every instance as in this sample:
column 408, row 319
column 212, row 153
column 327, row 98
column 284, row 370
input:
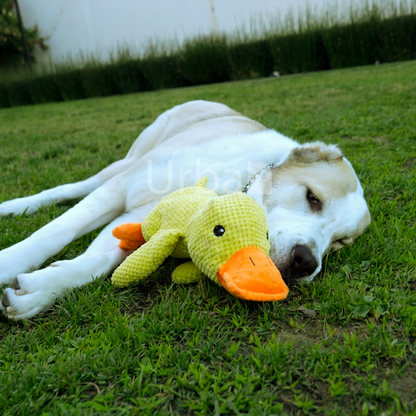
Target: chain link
column 250, row 182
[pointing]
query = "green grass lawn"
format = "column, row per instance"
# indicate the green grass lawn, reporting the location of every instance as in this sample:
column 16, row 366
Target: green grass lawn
column 160, row 348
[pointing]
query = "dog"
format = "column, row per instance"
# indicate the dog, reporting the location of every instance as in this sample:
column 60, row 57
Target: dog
column 313, row 200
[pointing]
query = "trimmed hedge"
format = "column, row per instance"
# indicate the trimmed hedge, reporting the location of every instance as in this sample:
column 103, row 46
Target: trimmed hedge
column 214, row 59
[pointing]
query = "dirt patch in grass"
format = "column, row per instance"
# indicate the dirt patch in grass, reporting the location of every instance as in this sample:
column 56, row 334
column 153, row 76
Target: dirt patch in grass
column 410, row 164
column 406, row 388
column 381, row 140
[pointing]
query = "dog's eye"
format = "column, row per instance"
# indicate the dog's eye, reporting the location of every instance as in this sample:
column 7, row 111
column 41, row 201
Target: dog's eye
column 314, row 202
column 312, row 198
column 219, row 230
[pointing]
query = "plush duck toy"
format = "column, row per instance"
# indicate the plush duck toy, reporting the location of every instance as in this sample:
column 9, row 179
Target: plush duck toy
column 226, row 237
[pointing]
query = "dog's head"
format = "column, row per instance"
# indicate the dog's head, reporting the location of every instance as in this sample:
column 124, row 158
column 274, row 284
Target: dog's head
column 314, row 204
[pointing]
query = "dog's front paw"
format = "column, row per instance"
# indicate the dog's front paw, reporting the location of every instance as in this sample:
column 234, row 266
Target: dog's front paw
column 25, row 298
column 18, row 206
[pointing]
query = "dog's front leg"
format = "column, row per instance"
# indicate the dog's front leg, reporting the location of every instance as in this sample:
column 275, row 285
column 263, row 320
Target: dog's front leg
column 32, row 293
column 97, row 209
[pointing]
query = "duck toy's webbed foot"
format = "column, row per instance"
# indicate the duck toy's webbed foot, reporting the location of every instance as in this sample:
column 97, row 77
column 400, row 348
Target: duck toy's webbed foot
column 130, row 235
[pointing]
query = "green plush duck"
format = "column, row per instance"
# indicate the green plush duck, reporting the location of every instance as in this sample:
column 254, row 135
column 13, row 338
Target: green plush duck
column 226, row 237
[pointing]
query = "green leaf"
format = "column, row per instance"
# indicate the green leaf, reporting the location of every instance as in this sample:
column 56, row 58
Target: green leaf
column 361, row 310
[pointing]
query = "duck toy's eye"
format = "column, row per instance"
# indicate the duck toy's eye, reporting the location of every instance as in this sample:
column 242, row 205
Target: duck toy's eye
column 267, row 235
column 219, row 231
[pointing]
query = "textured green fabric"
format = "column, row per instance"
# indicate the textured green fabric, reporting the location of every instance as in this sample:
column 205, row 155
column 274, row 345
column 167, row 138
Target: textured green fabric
column 147, row 258
column 183, row 225
column 175, row 210
column 187, row 273
column 245, row 225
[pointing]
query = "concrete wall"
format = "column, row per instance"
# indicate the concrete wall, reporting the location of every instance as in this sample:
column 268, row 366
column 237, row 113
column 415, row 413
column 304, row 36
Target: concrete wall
column 101, row 26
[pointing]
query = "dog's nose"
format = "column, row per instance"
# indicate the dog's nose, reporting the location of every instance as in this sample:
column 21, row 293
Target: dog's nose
column 303, row 263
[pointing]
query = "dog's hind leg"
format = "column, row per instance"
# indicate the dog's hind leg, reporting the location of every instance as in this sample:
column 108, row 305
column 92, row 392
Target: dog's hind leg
column 30, row 204
column 32, row 293
column 147, row 140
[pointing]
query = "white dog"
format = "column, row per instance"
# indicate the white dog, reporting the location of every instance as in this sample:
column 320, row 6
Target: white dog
column 312, row 197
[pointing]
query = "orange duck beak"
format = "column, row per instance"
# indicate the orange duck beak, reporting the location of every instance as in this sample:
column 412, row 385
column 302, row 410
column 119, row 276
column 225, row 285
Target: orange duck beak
column 251, row 275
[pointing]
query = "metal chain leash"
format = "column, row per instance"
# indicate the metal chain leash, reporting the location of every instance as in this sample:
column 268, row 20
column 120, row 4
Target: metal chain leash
column 250, row 182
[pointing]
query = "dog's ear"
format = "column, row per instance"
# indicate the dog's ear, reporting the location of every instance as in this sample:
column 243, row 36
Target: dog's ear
column 314, row 152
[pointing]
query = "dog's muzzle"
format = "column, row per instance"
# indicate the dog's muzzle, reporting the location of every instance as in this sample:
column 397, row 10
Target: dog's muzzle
column 302, row 263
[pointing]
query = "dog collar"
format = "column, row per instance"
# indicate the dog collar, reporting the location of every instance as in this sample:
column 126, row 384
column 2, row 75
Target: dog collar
column 250, row 182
